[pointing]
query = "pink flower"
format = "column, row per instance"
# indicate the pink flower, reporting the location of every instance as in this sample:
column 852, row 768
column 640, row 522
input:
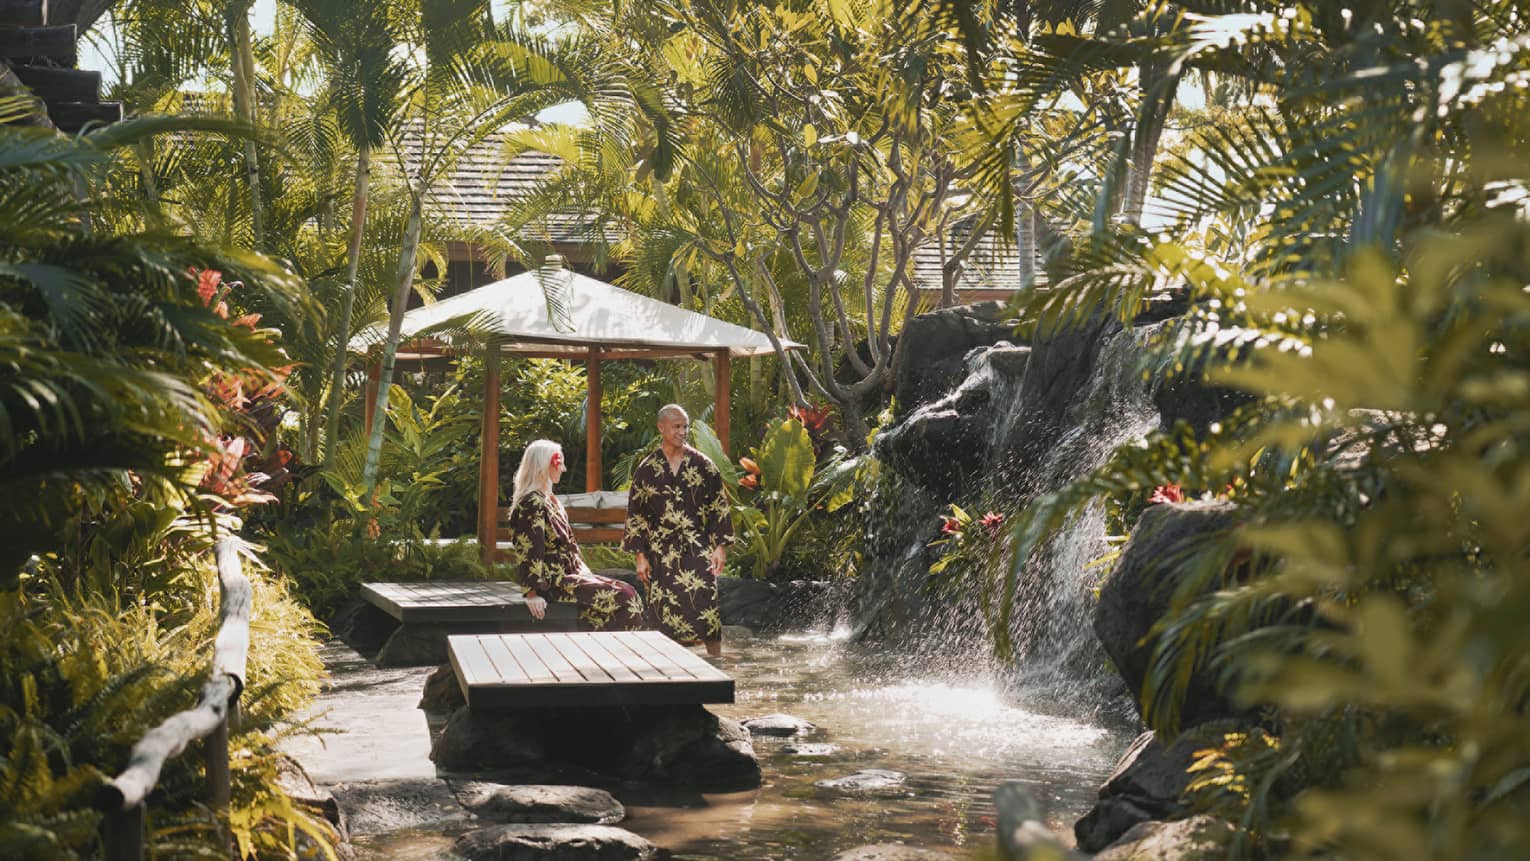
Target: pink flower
column 208, row 281
column 950, row 526
column 1166, row 493
column 992, row 521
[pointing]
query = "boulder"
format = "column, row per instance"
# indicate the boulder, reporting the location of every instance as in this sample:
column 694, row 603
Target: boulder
column 1145, row 785
column 1139, row 591
column 555, row 843
column 892, row 852
column 442, row 693
column 543, row 803
column 931, row 348
column 362, row 626
column 681, row 745
column 475, row 739
column 1199, row 838
column 779, row 725
column 872, row 781
column 375, row 807
column 809, row 750
column 767, row 607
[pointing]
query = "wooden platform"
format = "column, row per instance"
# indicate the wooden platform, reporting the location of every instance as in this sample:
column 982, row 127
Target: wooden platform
column 449, row 601
column 511, row 671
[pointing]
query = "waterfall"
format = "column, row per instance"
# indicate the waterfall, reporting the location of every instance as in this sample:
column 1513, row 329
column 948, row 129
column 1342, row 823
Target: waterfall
column 1023, row 422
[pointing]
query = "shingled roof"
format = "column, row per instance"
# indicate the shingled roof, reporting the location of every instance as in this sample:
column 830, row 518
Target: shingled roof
column 992, row 266
column 483, row 183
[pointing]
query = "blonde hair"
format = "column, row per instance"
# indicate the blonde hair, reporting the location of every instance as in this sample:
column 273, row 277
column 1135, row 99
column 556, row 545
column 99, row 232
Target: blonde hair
column 535, row 471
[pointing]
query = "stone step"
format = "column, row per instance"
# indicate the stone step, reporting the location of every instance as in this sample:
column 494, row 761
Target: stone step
column 35, row 44
column 72, row 116
column 60, row 85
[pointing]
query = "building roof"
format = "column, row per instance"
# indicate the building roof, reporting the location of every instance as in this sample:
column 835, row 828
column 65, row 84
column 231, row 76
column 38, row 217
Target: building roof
column 992, row 265
column 599, row 315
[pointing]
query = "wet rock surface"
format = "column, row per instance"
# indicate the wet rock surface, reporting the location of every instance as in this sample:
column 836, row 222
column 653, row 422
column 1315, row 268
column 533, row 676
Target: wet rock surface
column 542, row 803
column 442, row 692
column 683, row 745
column 809, row 749
column 1138, row 594
column 933, row 346
column 780, row 725
column 767, row 607
column 871, row 781
column 383, row 806
column 1146, row 785
column 555, row 843
column 892, row 852
column 1199, row 838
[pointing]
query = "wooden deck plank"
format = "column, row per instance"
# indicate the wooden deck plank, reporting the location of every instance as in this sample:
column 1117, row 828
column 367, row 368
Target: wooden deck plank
column 554, row 661
column 592, row 647
column 510, row 670
column 536, row 671
column 698, row 666
column 588, row 668
column 626, row 657
column 623, row 642
column 515, row 671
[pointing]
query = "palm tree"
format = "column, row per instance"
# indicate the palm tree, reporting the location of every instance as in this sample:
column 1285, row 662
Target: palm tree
column 105, row 339
column 359, row 45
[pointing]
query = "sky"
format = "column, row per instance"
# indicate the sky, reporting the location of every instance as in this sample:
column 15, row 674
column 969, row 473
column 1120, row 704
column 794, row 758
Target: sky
column 96, row 53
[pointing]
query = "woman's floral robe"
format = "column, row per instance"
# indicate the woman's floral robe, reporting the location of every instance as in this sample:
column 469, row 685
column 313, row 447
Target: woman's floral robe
column 547, row 562
column 675, row 519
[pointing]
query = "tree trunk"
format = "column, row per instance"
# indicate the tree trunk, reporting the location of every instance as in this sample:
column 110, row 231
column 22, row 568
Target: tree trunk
column 1025, row 244
column 348, row 300
column 243, row 61
column 1158, row 86
column 406, row 267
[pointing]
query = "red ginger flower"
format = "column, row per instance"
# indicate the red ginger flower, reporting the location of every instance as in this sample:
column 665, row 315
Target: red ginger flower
column 749, row 481
column 1166, row 493
column 992, row 521
column 749, row 466
column 950, row 526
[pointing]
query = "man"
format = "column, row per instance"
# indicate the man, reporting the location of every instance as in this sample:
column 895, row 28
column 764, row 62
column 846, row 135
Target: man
column 678, row 527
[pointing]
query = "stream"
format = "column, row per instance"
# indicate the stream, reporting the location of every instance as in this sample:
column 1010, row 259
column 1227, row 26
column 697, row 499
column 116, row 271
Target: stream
column 950, row 729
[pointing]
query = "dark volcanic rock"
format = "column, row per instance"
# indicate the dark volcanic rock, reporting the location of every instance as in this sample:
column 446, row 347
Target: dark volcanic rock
column 544, row 803
column 771, row 608
column 1146, row 784
column 475, row 739
column 381, row 806
column 810, row 749
column 1138, row 594
column 1199, row 838
column 555, row 843
column 871, row 781
column 779, row 725
column 442, row 692
column 933, row 346
column 363, row 626
column 681, row 745
column 892, row 852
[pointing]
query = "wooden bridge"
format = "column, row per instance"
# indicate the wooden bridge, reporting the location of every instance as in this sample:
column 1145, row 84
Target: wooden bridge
column 514, row 671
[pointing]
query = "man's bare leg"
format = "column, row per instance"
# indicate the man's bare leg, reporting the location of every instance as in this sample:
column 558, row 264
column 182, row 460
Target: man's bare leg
column 714, row 647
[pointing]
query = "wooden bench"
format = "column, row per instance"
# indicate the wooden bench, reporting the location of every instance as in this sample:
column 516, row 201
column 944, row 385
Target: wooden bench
column 428, row 612
column 607, row 668
column 597, row 518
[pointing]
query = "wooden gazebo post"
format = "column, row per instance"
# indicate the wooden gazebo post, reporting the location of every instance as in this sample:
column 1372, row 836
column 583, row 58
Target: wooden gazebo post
column 722, row 371
column 592, row 467
column 488, row 461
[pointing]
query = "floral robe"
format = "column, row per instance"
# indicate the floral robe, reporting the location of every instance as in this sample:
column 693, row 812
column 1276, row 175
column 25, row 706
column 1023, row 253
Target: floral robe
column 547, row 562
column 675, row 519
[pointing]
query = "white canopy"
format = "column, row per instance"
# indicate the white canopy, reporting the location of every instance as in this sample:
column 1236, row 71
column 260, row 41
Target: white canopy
column 599, row 315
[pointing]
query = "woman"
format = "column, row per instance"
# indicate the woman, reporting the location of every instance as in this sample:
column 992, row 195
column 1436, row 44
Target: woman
column 546, row 556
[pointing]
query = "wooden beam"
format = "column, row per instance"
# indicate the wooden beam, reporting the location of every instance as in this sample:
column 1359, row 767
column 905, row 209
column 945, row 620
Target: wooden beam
column 369, row 395
column 23, row 13
column 722, row 414
column 39, row 43
column 610, row 353
column 488, row 459
column 592, row 471
column 60, row 85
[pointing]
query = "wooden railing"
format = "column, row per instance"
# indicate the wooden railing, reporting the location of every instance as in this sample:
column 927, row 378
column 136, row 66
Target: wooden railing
column 122, row 798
